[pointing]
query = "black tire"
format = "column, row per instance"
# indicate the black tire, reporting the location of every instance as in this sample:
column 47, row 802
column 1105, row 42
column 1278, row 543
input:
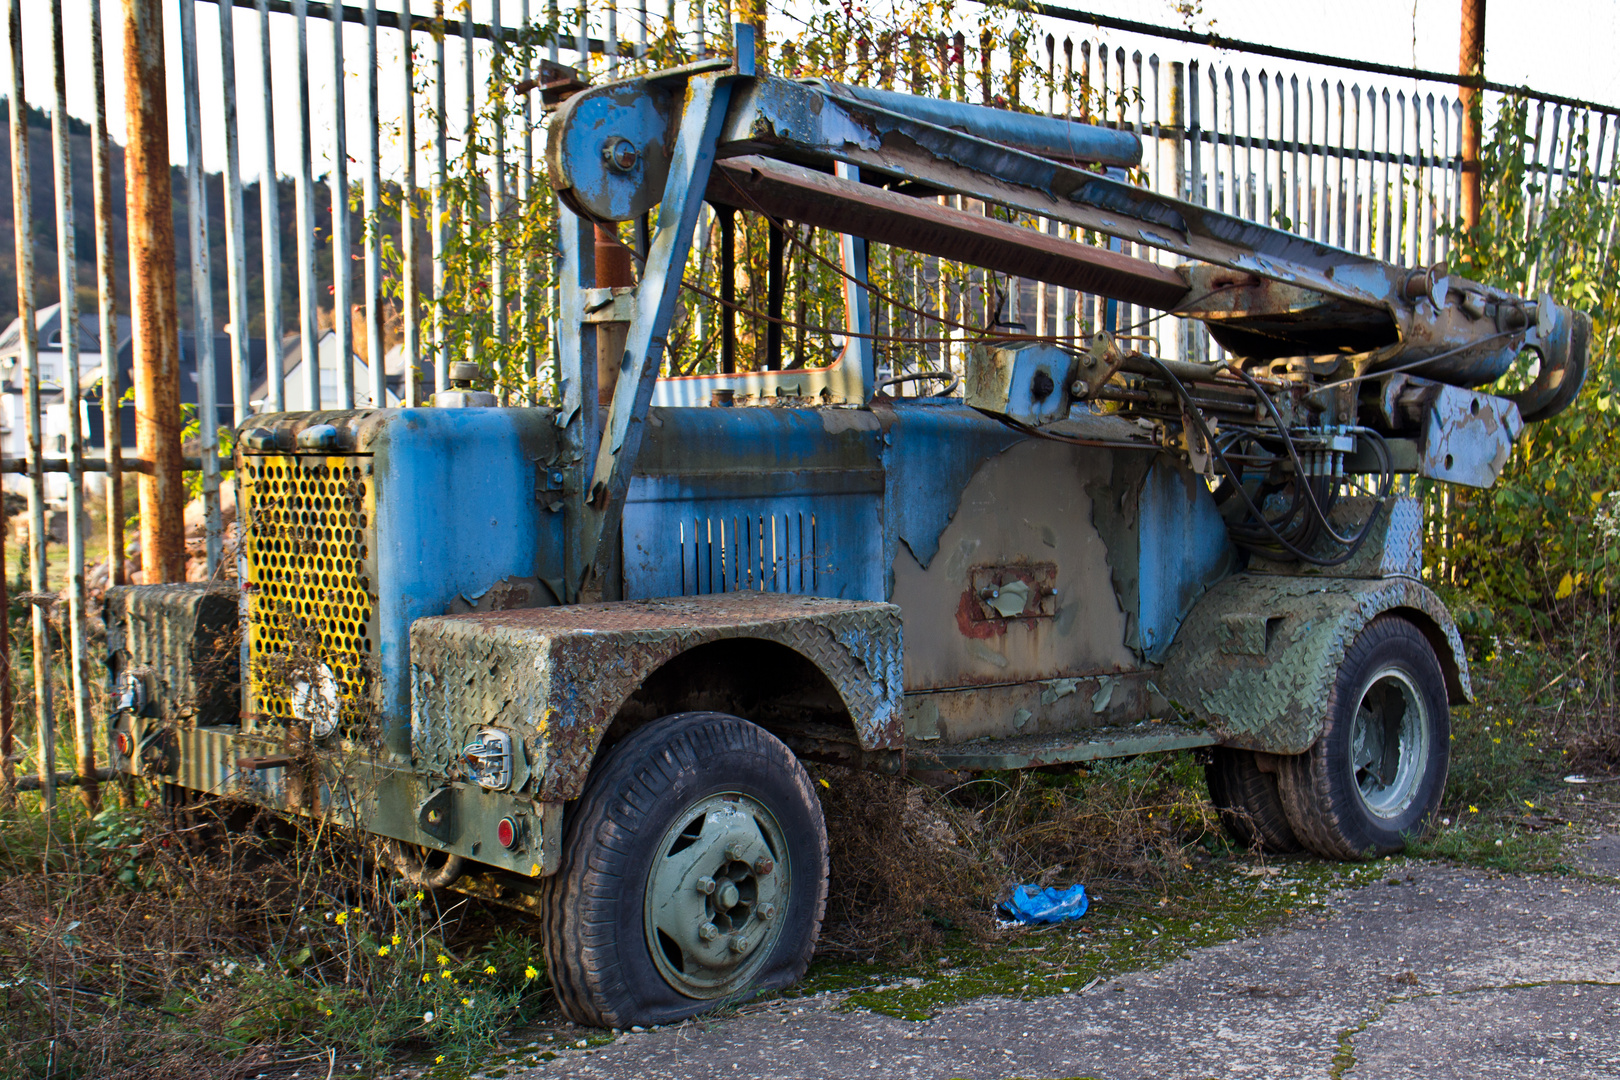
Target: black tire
column 1251, row 810
column 1375, row 777
column 655, row 813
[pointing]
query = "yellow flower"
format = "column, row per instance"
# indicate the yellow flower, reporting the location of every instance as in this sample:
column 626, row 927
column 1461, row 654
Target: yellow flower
column 466, row 1001
column 1473, row 809
column 490, row 970
column 1498, row 741
column 328, row 1012
column 383, row 951
column 394, row 940
column 530, row 972
column 444, row 974
column 824, row 784
column 420, row 895
column 426, row 977
column 439, row 1060
column 342, row 917
column 443, row 960
column 359, row 911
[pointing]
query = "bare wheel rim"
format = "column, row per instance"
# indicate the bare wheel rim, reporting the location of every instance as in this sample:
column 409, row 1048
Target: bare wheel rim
column 1389, row 742
column 716, row 895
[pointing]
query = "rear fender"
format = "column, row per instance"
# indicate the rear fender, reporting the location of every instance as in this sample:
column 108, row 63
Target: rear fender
column 1257, row 657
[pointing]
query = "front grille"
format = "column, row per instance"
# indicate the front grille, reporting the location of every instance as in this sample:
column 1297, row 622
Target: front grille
column 308, row 550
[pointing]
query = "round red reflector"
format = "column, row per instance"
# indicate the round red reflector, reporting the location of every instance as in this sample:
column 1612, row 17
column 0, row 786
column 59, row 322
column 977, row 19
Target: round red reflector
column 506, row 833
column 124, row 743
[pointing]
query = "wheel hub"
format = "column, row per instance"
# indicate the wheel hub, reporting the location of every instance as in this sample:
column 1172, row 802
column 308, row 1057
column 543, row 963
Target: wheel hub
column 1389, row 743
column 717, row 881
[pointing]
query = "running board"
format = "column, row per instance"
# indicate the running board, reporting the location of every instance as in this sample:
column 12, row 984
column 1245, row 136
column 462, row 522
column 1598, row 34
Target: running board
column 1033, row 751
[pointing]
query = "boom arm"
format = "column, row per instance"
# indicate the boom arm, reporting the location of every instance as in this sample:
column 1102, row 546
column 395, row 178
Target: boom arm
column 1315, row 321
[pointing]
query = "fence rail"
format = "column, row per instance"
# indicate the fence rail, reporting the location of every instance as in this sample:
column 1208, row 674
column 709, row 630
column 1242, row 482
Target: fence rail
column 426, row 237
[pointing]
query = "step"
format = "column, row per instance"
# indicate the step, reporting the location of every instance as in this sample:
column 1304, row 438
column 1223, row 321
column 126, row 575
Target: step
column 1032, row 751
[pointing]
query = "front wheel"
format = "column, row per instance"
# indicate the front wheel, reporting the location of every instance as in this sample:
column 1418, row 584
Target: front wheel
column 1375, row 776
column 694, row 873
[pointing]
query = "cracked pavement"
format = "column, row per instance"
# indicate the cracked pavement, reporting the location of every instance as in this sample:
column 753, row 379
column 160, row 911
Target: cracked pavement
column 1437, row 972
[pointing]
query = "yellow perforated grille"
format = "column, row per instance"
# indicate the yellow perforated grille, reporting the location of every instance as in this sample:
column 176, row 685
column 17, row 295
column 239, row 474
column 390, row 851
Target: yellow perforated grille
column 310, row 586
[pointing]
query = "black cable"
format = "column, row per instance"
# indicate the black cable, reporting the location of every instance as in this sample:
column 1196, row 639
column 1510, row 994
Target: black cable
column 1196, row 416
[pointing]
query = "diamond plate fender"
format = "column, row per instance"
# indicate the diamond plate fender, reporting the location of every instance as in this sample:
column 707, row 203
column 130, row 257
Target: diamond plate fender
column 556, row 677
column 1257, row 657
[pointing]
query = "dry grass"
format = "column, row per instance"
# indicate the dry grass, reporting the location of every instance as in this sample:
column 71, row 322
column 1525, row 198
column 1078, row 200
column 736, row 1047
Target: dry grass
column 911, row 864
column 154, row 942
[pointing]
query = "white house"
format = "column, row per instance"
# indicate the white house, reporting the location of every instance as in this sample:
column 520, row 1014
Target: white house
column 296, row 395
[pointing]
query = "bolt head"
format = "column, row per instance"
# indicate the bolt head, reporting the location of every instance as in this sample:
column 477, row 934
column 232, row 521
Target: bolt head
column 739, row 944
column 734, row 853
column 727, row 897
column 708, row 931
column 620, row 154
column 763, row 865
column 767, row 912
column 705, row 885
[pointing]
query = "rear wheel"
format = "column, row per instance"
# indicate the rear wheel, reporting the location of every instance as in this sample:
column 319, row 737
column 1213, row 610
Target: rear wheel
column 1251, row 809
column 694, row 872
column 1375, row 777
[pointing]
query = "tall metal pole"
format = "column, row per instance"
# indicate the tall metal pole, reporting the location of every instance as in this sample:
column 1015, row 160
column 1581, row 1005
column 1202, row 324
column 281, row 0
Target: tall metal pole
column 378, row 390
column 235, row 227
column 497, row 191
column 304, row 196
column 153, row 296
column 1471, row 61
column 28, row 339
column 111, row 392
column 84, row 736
column 342, row 298
column 270, row 229
column 441, row 173
column 202, row 289
column 409, row 346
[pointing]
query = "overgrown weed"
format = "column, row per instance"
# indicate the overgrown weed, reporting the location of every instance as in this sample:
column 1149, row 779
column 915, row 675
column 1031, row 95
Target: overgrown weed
column 912, row 866
column 195, row 941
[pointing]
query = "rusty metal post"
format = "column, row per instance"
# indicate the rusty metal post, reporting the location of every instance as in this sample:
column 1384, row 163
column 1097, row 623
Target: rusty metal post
column 84, row 735
column 1471, row 61
column 107, row 296
column 23, row 228
column 613, row 271
column 152, row 294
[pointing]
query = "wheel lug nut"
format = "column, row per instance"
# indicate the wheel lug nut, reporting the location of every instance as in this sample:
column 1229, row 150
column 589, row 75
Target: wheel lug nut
column 739, row 944
column 763, row 865
column 734, row 853
column 767, row 912
column 705, row 885
column 708, row 931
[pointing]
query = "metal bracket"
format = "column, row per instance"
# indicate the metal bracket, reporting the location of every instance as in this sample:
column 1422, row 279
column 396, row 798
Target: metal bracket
column 616, row 305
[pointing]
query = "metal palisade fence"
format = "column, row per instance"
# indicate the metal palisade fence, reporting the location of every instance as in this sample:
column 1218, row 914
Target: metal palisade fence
column 399, row 217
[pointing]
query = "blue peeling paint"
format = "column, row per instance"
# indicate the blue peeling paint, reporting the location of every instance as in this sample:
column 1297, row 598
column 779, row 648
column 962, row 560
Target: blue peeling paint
column 456, row 512
column 1183, row 551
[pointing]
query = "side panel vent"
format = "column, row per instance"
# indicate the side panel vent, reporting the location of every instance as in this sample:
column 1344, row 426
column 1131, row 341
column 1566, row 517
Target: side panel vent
column 775, row 553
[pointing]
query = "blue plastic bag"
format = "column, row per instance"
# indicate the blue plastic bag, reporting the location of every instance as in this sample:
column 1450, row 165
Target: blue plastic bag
column 1031, row 905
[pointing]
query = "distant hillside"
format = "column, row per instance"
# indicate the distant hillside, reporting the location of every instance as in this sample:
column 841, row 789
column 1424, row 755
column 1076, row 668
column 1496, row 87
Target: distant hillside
column 44, row 215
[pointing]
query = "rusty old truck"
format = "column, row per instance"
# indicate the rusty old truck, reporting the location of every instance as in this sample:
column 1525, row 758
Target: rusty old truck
column 572, row 657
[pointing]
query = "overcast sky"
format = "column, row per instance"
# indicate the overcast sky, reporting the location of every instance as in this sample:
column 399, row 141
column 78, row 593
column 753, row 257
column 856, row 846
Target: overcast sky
column 1559, row 46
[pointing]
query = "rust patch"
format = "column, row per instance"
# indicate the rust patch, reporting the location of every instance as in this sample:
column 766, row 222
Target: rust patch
column 978, row 615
